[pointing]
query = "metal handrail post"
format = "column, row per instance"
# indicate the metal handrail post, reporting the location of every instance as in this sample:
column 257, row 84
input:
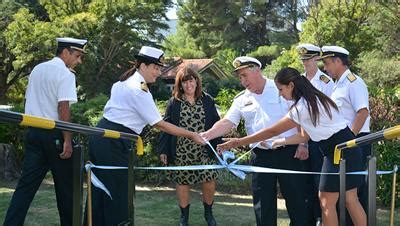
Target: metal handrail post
column 89, row 196
column 342, row 192
column 372, row 191
column 77, row 191
column 131, row 186
column 393, row 196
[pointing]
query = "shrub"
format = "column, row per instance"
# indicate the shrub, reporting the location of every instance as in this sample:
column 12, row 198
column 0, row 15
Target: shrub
column 384, row 105
column 14, row 134
column 375, row 66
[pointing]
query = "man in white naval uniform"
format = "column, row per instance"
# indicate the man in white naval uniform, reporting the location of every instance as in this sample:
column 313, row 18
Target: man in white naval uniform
column 51, row 89
column 261, row 106
column 350, row 94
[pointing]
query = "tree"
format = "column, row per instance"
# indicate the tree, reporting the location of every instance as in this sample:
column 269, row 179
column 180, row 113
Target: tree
column 182, row 45
column 343, row 23
column 288, row 58
column 115, row 31
column 26, row 42
column 241, row 25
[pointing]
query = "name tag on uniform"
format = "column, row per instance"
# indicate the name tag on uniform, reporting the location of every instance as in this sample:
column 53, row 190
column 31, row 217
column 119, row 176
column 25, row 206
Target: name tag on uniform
column 248, row 103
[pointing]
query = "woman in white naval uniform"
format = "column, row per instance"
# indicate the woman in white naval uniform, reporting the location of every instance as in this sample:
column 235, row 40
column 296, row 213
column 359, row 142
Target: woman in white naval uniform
column 130, row 108
column 321, row 122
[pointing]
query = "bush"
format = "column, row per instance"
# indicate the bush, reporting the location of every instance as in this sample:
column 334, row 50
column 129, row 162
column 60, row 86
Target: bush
column 14, row 134
column 384, row 105
column 376, row 66
column 288, row 58
column 266, row 54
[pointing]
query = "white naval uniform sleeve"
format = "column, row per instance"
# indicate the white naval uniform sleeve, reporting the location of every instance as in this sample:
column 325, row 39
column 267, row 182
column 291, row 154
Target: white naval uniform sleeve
column 294, row 115
column 234, row 114
column 147, row 109
column 358, row 95
column 67, row 89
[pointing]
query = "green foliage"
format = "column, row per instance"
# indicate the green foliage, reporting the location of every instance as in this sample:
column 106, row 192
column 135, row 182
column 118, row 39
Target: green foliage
column 387, row 153
column 225, row 98
column 341, row 23
column 14, row 134
column 115, row 31
column 288, row 58
column 8, row 75
column 213, row 86
column 89, row 112
column 182, row 45
column 265, row 54
column 385, row 106
column 210, row 85
column 159, row 90
column 385, row 23
column 224, row 59
column 240, row 25
column 29, row 39
column 377, row 66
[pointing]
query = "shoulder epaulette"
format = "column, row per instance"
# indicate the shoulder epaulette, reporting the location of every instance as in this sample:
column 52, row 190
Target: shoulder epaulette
column 239, row 94
column 351, row 77
column 324, row 78
column 144, row 87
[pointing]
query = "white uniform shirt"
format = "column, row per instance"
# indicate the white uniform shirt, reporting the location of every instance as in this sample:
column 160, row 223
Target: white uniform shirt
column 259, row 110
column 350, row 97
column 49, row 83
column 130, row 105
column 326, row 126
column 323, row 84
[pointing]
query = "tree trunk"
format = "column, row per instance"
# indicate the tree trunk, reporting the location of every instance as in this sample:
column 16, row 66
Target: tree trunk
column 3, row 91
column 9, row 167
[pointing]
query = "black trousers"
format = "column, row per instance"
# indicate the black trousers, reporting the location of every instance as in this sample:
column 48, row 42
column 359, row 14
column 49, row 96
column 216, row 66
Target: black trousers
column 313, row 164
column 110, row 152
column 42, row 149
column 292, row 186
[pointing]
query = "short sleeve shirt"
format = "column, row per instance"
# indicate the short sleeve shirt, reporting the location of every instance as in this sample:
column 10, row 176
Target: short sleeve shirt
column 325, row 126
column 350, row 97
column 49, row 83
column 322, row 82
column 131, row 105
column 259, row 110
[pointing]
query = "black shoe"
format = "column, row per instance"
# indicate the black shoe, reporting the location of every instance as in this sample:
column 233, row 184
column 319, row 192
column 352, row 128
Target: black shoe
column 208, row 215
column 184, row 216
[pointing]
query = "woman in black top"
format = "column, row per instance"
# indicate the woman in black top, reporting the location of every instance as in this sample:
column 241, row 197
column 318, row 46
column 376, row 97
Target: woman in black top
column 194, row 110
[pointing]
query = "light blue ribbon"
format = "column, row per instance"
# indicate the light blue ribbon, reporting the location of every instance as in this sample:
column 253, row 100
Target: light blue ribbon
column 237, row 170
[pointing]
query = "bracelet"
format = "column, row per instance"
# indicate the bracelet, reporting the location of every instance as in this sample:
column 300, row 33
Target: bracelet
column 304, row 145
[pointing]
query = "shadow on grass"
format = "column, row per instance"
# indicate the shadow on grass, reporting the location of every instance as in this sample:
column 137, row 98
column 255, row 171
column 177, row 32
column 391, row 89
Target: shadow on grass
column 158, row 206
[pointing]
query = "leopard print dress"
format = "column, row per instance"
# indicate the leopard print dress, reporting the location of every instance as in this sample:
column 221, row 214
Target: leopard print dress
column 192, row 117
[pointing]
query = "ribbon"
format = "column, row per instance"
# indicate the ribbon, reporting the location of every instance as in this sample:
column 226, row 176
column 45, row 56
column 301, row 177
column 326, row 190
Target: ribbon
column 237, row 170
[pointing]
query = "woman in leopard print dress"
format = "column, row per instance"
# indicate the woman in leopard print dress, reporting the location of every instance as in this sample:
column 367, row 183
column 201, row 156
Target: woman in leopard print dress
column 194, row 110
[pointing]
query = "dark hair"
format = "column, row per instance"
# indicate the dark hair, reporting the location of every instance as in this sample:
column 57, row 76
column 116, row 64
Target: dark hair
column 60, row 49
column 128, row 73
column 344, row 59
column 185, row 74
column 304, row 88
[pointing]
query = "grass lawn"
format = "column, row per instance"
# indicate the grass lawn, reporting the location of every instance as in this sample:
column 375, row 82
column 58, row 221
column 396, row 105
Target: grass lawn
column 158, row 206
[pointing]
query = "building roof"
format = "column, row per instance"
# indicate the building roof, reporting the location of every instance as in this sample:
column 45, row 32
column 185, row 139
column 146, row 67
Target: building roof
column 200, row 65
